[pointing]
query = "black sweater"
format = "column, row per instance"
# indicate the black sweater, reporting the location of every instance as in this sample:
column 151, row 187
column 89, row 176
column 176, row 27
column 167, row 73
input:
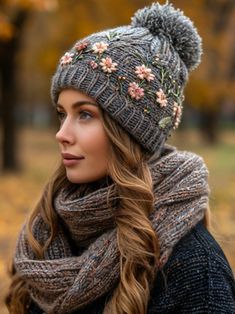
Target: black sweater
column 196, row 279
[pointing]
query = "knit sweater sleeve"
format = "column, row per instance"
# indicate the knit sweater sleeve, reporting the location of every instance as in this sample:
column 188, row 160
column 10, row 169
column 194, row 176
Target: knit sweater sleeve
column 196, row 279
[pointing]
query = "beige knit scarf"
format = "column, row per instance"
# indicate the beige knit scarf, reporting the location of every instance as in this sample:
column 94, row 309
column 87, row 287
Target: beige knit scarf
column 82, row 262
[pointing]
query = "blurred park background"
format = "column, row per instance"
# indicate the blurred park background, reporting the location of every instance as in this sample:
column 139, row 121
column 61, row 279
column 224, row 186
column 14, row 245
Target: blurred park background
column 33, row 36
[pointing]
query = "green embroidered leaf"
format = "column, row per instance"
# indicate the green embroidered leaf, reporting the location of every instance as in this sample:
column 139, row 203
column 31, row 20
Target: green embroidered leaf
column 76, row 58
column 147, row 110
column 164, row 122
column 112, row 35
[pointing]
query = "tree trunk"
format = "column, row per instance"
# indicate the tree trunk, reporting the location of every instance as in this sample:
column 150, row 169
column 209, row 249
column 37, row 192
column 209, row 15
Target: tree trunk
column 9, row 157
column 8, row 69
column 209, row 126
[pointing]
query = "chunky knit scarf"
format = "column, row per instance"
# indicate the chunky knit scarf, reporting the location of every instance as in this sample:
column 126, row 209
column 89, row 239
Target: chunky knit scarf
column 82, row 262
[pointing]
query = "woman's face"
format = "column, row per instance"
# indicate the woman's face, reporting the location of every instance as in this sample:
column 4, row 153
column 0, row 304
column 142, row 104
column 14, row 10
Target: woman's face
column 83, row 142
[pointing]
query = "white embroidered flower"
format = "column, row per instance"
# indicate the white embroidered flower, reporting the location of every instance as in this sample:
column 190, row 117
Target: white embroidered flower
column 177, row 112
column 67, row 58
column 100, row 47
column 144, row 73
column 161, row 98
column 135, row 91
column 108, row 65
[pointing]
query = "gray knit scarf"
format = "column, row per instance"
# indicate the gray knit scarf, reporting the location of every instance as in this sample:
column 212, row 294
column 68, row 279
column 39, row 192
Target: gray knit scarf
column 82, row 262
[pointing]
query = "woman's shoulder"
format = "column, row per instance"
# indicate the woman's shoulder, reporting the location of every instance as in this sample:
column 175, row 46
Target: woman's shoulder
column 198, row 245
column 196, row 276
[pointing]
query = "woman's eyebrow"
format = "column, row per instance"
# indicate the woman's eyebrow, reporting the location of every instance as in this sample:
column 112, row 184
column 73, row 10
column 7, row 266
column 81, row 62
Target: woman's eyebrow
column 79, row 103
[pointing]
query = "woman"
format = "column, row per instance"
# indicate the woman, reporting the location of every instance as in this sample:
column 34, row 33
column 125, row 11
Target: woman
column 121, row 227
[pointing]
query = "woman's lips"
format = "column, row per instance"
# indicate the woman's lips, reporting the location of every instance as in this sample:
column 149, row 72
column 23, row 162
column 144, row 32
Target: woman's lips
column 71, row 160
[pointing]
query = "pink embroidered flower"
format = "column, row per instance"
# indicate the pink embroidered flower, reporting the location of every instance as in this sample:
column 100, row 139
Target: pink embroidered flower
column 144, row 73
column 108, row 65
column 99, row 47
column 161, row 98
column 93, row 64
column 67, row 58
column 135, row 91
column 81, row 46
column 177, row 112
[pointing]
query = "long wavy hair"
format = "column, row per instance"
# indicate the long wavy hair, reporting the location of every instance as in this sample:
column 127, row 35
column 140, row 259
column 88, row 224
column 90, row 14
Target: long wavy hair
column 137, row 242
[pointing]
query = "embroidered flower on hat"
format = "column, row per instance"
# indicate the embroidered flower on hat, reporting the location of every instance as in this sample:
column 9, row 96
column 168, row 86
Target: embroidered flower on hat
column 135, row 91
column 108, row 65
column 93, row 64
column 144, row 73
column 67, row 58
column 100, row 47
column 81, row 46
column 161, row 98
column 177, row 112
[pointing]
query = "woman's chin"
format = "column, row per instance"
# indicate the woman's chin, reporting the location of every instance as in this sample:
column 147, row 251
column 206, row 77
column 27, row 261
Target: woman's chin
column 79, row 179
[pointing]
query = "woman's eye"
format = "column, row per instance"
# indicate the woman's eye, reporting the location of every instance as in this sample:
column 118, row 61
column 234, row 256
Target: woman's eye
column 61, row 115
column 85, row 115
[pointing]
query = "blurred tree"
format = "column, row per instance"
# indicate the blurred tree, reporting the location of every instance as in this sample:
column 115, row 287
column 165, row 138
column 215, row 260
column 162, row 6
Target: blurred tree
column 13, row 16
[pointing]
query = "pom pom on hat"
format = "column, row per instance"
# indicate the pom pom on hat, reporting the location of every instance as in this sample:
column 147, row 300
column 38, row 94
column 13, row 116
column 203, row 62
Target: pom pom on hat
column 176, row 27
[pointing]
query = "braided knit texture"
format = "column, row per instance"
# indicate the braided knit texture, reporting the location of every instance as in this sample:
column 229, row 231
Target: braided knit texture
column 196, row 279
column 69, row 279
column 137, row 73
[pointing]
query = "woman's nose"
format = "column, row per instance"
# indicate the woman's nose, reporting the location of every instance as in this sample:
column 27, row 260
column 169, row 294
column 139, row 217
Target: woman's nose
column 65, row 134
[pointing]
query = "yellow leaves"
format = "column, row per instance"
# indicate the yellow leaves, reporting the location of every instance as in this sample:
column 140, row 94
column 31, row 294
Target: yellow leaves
column 42, row 5
column 6, row 28
column 201, row 94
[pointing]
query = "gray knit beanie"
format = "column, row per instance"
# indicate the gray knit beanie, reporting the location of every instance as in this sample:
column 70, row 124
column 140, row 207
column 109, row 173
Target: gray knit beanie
column 136, row 73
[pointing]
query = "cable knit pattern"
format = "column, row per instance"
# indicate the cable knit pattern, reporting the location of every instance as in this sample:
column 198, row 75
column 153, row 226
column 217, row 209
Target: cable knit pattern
column 63, row 281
